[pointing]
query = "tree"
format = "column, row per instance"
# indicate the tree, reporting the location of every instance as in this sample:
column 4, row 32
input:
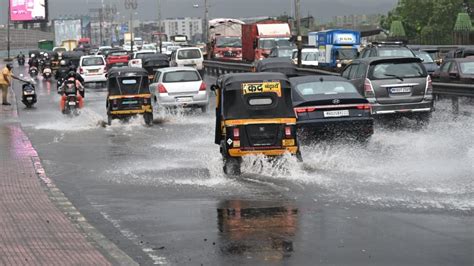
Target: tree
column 418, row 14
column 397, row 30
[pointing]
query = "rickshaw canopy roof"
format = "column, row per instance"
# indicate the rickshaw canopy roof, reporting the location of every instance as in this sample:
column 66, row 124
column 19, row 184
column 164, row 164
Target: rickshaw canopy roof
column 282, row 65
column 117, row 72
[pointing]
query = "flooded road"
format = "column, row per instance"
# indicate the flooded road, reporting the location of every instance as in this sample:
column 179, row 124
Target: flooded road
column 160, row 194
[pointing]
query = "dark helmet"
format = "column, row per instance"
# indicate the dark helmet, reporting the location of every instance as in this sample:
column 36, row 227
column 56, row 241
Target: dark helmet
column 10, row 66
column 71, row 74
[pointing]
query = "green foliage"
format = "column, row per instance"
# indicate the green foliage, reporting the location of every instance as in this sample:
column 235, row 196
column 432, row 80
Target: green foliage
column 397, row 29
column 463, row 23
column 416, row 15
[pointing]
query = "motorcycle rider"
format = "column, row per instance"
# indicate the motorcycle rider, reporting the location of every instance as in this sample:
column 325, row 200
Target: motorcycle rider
column 33, row 62
column 20, row 57
column 71, row 79
column 62, row 72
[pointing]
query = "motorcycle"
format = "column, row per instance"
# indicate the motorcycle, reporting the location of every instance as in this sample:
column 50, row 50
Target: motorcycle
column 47, row 73
column 71, row 106
column 28, row 93
column 33, row 71
column 21, row 61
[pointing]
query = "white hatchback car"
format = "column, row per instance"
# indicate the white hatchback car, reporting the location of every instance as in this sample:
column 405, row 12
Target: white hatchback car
column 137, row 57
column 188, row 57
column 180, row 87
column 92, row 69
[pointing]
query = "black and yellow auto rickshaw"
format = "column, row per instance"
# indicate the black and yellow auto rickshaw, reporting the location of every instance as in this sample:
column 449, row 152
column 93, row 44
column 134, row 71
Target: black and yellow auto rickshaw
column 128, row 94
column 254, row 115
column 152, row 63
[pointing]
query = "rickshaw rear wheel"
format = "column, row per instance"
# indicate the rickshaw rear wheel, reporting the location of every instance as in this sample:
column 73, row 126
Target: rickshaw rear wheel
column 148, row 118
column 205, row 109
column 232, row 166
column 109, row 120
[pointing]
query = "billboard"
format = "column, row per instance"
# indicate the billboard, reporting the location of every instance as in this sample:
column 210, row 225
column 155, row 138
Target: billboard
column 28, row 10
column 67, row 29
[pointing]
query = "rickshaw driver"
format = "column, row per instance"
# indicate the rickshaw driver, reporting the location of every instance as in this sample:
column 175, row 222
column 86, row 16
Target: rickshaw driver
column 71, row 79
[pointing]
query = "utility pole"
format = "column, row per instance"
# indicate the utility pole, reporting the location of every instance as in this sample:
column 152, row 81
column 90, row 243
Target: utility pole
column 131, row 5
column 299, row 38
column 206, row 21
column 160, row 31
column 8, row 30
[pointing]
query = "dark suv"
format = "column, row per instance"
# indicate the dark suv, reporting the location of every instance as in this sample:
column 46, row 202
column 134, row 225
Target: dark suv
column 393, row 85
column 386, row 49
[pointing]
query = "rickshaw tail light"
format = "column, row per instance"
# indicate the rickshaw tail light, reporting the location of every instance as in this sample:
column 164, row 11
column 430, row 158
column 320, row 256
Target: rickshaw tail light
column 203, row 86
column 162, row 89
column 236, row 133
column 115, row 102
column 288, row 131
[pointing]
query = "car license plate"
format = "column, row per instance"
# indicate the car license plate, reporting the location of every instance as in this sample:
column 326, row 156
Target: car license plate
column 72, row 103
column 337, row 113
column 400, row 90
column 130, row 102
column 29, row 98
column 190, row 65
column 184, row 99
column 93, row 71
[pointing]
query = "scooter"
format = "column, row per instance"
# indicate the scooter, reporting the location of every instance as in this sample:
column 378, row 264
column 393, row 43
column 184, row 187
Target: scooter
column 33, row 71
column 28, row 93
column 71, row 107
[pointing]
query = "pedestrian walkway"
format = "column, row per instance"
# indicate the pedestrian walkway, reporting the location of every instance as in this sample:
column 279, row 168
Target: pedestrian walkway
column 33, row 230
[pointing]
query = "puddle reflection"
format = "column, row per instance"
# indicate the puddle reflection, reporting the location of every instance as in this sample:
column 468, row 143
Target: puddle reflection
column 260, row 230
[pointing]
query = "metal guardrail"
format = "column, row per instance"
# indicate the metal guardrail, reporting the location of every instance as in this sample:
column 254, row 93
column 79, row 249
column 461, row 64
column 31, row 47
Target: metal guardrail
column 453, row 89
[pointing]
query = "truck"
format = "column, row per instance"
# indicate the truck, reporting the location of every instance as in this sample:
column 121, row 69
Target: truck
column 70, row 45
column 258, row 39
column 225, row 39
column 337, row 47
column 67, row 29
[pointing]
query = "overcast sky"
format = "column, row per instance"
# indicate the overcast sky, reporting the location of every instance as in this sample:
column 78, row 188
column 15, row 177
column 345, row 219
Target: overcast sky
column 322, row 10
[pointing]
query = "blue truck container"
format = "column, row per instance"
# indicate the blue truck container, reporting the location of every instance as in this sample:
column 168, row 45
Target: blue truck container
column 337, row 47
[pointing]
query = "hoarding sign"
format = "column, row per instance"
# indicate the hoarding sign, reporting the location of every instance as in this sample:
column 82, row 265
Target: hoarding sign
column 28, row 10
column 67, row 30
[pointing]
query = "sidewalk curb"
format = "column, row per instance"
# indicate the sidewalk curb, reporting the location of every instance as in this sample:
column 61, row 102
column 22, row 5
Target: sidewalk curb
column 57, row 197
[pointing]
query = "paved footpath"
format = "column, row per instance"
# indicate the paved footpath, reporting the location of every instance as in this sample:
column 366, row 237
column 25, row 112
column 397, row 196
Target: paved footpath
column 38, row 225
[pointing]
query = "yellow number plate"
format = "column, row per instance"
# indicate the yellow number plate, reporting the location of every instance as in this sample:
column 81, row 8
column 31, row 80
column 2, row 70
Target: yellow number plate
column 288, row 142
column 249, row 88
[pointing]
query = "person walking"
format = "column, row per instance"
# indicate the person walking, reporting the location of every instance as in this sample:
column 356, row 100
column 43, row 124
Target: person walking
column 6, row 77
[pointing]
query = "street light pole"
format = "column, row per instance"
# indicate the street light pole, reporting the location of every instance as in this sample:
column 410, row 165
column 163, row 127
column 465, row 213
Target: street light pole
column 299, row 39
column 8, row 30
column 206, row 22
column 159, row 27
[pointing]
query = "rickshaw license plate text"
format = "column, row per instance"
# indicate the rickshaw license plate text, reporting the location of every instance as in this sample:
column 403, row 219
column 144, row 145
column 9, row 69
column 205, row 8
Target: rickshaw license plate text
column 249, row 88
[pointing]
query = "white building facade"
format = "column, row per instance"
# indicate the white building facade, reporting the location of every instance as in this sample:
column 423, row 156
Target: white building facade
column 191, row 27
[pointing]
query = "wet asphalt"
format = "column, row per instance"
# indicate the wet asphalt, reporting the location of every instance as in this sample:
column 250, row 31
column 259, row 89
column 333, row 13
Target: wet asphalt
column 405, row 198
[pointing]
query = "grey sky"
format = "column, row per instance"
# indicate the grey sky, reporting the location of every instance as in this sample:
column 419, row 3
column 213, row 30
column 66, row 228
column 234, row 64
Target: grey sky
column 322, row 10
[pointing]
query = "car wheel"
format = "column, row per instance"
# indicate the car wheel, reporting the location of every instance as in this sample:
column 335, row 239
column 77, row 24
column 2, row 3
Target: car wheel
column 423, row 119
column 148, row 118
column 232, row 166
column 205, row 108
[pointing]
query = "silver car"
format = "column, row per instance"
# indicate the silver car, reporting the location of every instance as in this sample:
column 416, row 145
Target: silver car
column 180, row 87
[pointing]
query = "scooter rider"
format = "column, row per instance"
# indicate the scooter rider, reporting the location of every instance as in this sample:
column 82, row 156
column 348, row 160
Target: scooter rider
column 20, row 58
column 33, row 62
column 71, row 78
column 62, row 72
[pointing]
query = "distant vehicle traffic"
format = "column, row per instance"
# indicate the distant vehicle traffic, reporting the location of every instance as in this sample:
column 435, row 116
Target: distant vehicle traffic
column 456, row 70
column 328, row 106
column 462, row 52
column 281, row 52
column 309, row 57
column 258, row 39
column 395, row 85
column 386, row 49
column 117, row 58
column 428, row 61
column 92, row 68
column 136, row 60
column 188, row 57
column 180, row 87
column 336, row 47
column 225, row 38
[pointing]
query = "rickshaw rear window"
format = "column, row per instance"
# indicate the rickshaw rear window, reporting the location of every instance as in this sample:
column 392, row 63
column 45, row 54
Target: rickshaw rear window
column 129, row 81
column 128, row 85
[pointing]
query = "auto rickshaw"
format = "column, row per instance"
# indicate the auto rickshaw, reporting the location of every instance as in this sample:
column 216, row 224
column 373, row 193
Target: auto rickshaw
column 254, row 115
column 128, row 94
column 72, row 58
column 280, row 65
column 154, row 62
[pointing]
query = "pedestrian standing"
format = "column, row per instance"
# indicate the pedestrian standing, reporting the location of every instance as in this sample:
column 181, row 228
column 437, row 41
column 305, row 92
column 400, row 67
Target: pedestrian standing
column 5, row 81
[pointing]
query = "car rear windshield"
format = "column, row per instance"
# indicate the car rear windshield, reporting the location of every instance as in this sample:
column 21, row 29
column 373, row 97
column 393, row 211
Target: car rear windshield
column 181, row 76
column 93, row 61
column 467, row 67
column 397, row 70
column 325, row 88
column 395, row 52
column 189, row 54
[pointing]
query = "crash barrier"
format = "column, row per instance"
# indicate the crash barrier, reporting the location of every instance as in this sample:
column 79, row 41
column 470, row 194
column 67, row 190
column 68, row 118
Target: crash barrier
column 453, row 91
column 217, row 68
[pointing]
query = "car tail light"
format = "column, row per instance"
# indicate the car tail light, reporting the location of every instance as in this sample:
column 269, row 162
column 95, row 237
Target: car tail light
column 287, row 131
column 81, row 71
column 300, row 110
column 162, row 89
column 363, row 106
column 236, row 133
column 429, row 85
column 368, row 89
column 203, row 86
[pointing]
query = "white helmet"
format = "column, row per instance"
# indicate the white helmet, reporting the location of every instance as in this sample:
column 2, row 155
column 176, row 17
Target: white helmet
column 33, row 55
